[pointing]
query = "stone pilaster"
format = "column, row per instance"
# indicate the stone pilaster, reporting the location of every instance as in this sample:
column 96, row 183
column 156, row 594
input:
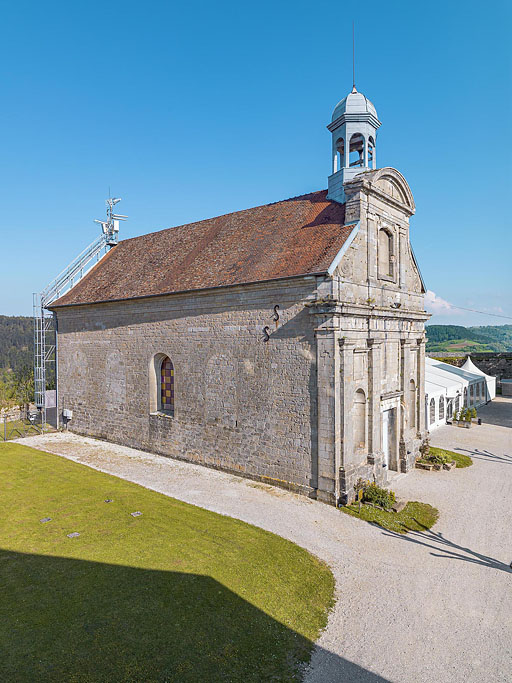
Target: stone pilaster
column 374, row 392
column 407, row 433
column 371, row 228
column 403, row 245
column 328, row 402
column 422, row 431
column 347, row 468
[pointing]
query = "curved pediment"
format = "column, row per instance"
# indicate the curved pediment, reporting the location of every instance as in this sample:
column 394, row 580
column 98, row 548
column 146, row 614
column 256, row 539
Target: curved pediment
column 392, row 183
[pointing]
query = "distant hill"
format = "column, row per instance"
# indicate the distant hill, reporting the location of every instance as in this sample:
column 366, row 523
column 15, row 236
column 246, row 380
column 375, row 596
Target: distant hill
column 455, row 338
column 16, row 342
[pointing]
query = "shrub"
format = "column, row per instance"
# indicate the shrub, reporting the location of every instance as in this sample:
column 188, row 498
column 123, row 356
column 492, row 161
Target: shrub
column 378, row 496
column 437, row 458
column 473, row 412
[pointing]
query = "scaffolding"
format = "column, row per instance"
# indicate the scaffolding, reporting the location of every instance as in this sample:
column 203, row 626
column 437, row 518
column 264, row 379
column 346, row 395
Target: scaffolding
column 45, row 326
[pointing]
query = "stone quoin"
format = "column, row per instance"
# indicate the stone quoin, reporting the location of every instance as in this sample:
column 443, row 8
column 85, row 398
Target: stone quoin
column 284, row 343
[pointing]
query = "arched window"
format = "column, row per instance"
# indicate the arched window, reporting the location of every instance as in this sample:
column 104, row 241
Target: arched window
column 457, row 404
column 441, row 408
column 356, row 157
column 412, row 404
column 465, row 396
column 339, row 155
column 385, row 254
column 432, row 411
column 359, row 419
column 166, row 402
column 371, row 152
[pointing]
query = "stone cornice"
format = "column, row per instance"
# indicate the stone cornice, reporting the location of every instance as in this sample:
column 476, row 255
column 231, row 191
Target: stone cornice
column 362, row 185
column 339, row 308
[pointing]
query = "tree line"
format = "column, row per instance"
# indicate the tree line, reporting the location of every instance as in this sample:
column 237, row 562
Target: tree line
column 496, row 338
column 16, row 342
column 16, row 361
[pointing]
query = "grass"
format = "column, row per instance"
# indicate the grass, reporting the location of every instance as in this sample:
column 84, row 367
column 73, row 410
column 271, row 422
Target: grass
column 414, row 517
column 19, row 428
column 460, row 459
column 176, row 594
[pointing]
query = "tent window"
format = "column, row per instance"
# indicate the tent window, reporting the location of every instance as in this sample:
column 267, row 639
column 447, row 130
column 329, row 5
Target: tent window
column 441, row 408
column 432, row 411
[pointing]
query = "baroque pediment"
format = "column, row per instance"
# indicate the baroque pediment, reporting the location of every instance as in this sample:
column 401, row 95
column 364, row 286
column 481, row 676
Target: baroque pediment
column 389, row 183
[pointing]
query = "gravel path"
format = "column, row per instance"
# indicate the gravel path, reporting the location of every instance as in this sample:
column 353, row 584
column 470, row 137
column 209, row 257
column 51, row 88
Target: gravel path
column 433, row 606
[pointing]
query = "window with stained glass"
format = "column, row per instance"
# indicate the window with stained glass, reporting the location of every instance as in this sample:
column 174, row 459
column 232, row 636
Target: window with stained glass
column 167, row 386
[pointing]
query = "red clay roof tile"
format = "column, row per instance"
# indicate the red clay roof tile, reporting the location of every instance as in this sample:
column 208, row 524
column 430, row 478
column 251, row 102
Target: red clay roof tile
column 298, row 236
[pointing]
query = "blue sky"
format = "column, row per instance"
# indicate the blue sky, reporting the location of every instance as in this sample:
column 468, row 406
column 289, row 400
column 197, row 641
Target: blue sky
column 191, row 110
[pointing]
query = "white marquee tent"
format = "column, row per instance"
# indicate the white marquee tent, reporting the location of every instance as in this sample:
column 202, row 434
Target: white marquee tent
column 469, row 366
column 448, row 389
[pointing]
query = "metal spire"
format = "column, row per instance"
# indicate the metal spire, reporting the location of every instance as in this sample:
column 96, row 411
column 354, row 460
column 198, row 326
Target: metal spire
column 353, row 59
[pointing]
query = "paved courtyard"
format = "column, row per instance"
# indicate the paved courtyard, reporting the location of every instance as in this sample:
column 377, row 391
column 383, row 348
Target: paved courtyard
column 431, row 606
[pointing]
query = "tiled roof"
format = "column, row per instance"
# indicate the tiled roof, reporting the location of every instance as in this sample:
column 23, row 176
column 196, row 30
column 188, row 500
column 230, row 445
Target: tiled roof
column 298, row 236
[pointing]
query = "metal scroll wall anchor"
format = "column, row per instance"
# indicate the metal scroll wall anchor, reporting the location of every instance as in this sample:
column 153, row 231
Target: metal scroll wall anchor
column 266, row 329
column 275, row 317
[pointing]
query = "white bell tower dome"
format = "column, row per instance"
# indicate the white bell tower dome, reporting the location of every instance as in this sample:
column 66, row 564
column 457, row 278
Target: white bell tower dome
column 354, row 133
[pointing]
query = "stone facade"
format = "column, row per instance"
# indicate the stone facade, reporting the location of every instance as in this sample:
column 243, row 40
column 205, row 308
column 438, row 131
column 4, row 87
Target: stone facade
column 336, row 393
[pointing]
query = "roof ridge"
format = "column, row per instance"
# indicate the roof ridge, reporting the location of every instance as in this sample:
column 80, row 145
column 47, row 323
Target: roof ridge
column 224, row 215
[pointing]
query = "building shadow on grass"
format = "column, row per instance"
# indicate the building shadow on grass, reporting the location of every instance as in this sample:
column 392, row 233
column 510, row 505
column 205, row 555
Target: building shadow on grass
column 482, row 454
column 67, row 619
column 448, row 549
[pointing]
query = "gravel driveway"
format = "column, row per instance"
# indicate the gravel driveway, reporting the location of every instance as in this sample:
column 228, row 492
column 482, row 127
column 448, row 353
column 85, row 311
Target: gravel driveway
column 432, row 606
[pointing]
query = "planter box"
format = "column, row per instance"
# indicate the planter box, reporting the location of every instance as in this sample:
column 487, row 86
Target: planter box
column 449, row 465
column 424, row 466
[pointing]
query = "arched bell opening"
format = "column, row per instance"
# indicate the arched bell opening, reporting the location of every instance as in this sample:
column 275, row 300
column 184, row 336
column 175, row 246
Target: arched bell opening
column 356, row 151
column 371, row 162
column 339, row 155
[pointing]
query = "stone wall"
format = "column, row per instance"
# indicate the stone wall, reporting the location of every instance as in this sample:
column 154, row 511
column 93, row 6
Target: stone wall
column 242, row 405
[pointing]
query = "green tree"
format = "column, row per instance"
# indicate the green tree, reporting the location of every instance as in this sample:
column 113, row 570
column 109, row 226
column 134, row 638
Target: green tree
column 24, row 386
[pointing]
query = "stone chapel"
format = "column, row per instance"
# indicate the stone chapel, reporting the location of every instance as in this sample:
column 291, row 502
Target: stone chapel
column 284, row 343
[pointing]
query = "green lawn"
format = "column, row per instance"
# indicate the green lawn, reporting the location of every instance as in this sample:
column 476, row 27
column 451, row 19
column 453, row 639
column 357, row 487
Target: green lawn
column 460, row 459
column 414, row 517
column 19, row 428
column 176, row 594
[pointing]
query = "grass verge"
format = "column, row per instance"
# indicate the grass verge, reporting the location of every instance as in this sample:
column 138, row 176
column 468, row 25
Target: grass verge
column 175, row 594
column 414, row 517
column 460, row 459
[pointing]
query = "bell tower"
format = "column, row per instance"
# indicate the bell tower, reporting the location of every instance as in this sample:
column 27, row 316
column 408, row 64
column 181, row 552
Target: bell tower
column 354, row 133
